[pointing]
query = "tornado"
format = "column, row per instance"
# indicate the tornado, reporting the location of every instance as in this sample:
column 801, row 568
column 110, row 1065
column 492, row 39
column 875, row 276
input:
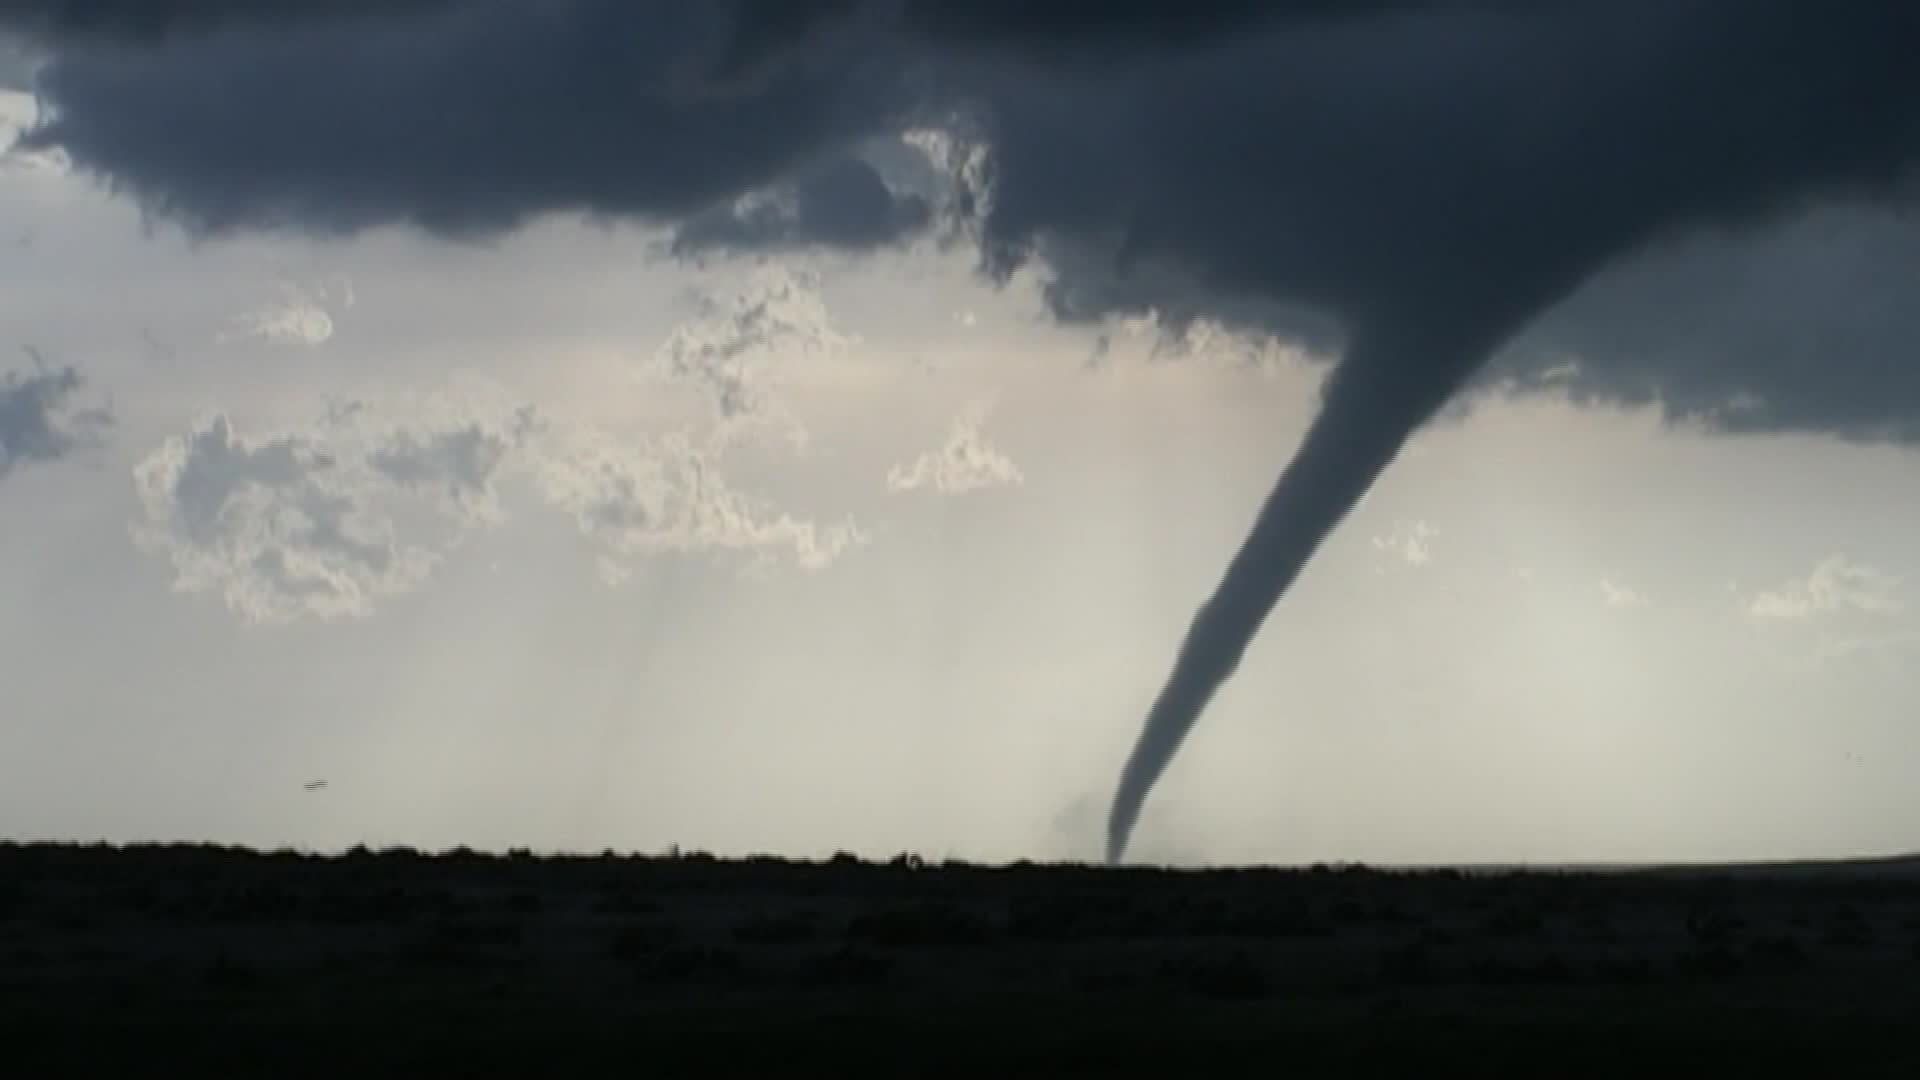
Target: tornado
column 1382, row 391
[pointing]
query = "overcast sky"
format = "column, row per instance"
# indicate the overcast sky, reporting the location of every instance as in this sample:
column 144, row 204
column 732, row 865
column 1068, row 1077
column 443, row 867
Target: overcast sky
column 756, row 472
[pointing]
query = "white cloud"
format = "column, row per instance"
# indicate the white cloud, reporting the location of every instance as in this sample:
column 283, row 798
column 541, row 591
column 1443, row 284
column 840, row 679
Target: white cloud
column 1618, row 596
column 1408, row 543
column 306, row 524
column 744, row 340
column 18, row 112
column 325, row 521
column 299, row 317
column 451, row 447
column 644, row 495
column 647, row 496
column 1836, row 584
column 273, row 524
column 965, row 462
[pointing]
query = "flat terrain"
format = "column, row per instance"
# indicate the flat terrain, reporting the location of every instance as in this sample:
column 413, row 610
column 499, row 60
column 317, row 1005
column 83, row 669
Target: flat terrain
column 208, row 958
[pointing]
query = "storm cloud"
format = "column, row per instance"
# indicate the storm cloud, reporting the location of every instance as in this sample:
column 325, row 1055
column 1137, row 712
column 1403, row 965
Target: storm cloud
column 68, row 21
column 467, row 121
column 1299, row 168
column 844, row 204
column 40, row 419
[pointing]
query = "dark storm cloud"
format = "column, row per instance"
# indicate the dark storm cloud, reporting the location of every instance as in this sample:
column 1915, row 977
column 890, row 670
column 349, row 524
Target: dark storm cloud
column 842, row 204
column 1122, row 27
column 39, row 419
column 1809, row 327
column 1369, row 168
column 469, row 122
column 17, row 63
column 1418, row 186
column 149, row 20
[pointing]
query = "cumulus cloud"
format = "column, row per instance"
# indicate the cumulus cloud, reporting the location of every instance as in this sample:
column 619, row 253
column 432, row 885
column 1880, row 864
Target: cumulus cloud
column 458, row 464
column 965, row 462
column 299, row 317
column 1615, row 595
column 647, row 494
column 642, row 497
column 1835, row 584
column 41, row 420
column 272, row 524
column 452, row 448
column 361, row 505
column 743, row 339
column 19, row 113
column 307, row 524
column 1408, row 543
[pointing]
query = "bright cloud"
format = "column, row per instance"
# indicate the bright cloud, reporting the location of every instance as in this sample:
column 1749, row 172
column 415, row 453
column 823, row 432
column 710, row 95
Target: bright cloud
column 305, row 524
column 1408, row 543
column 744, row 340
column 299, row 317
column 1836, row 584
column 1615, row 595
column 965, row 462
column 642, row 497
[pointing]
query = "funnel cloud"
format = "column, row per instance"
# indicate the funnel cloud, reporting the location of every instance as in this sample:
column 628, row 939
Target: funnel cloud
column 1362, row 425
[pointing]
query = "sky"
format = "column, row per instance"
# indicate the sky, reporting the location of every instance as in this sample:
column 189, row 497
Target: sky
column 590, row 425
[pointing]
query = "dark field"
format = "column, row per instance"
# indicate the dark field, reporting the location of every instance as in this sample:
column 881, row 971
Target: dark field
column 229, row 962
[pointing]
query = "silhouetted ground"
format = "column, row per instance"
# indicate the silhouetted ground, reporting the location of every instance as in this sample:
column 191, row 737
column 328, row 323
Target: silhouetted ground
column 153, row 959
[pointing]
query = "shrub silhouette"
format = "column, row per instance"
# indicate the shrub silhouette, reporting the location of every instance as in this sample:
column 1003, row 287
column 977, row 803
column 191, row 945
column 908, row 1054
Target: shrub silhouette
column 1713, row 927
column 1778, row 952
column 686, row 963
column 848, row 965
column 1077, row 917
column 626, row 902
column 1233, row 976
column 1547, row 969
column 225, row 974
column 1846, row 928
column 635, row 941
column 1410, row 964
column 919, row 926
column 1515, row 920
column 479, row 933
column 788, row 929
column 1629, row 969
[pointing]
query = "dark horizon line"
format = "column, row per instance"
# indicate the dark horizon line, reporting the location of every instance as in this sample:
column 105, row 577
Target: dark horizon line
column 1902, row 861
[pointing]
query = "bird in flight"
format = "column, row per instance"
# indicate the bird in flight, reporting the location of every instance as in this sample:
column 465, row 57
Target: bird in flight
column 315, row 785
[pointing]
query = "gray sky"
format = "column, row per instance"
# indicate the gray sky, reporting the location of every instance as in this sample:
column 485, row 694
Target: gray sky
column 555, row 537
